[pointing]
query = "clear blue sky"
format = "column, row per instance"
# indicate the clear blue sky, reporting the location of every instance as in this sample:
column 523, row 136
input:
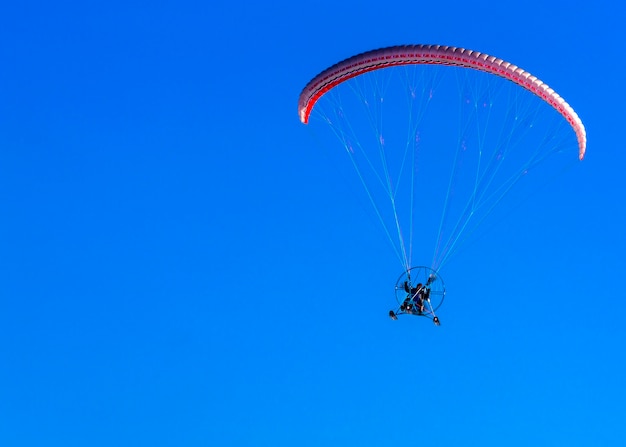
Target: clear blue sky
column 179, row 266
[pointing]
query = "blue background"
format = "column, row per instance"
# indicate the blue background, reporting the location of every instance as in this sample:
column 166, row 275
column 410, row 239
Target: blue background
column 179, row 264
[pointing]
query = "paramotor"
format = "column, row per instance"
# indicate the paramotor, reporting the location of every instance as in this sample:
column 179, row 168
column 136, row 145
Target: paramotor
column 438, row 135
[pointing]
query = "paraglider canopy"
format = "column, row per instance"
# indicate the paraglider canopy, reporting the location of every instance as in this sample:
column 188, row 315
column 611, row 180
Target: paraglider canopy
column 435, row 55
